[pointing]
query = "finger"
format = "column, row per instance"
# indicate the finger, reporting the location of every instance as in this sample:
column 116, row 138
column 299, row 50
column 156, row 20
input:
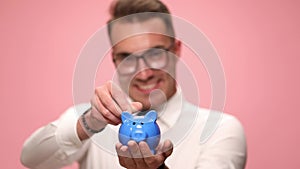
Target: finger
column 119, row 97
column 152, row 161
column 124, row 156
column 134, row 149
column 122, row 99
column 136, row 106
column 103, row 113
column 121, row 154
column 159, row 148
column 162, row 147
column 108, row 102
column 167, row 148
column 136, row 154
column 108, row 115
column 145, row 150
column 95, row 111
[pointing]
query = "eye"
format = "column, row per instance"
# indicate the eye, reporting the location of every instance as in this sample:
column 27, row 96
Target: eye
column 154, row 53
column 142, row 123
column 133, row 123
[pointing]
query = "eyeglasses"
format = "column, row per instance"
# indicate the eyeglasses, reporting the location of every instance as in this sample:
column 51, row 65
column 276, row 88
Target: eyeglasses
column 155, row 58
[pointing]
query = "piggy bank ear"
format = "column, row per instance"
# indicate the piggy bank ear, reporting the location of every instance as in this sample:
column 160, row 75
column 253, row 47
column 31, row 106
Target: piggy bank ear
column 125, row 116
column 151, row 116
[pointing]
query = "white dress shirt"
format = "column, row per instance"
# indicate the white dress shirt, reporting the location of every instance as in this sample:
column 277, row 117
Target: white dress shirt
column 57, row 144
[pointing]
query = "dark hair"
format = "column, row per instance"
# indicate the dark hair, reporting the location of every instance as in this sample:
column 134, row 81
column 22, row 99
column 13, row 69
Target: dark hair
column 146, row 9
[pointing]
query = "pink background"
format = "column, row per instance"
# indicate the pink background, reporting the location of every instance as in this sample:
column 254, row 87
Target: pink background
column 258, row 42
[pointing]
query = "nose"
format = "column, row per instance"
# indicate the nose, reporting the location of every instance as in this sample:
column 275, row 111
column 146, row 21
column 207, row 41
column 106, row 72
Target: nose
column 143, row 70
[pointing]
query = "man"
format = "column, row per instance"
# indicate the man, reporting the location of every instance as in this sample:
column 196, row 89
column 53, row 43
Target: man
column 145, row 54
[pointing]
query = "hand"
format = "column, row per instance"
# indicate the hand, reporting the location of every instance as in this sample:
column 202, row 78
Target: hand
column 107, row 104
column 136, row 156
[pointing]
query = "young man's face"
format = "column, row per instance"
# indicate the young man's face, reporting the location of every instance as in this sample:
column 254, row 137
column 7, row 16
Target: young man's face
column 140, row 80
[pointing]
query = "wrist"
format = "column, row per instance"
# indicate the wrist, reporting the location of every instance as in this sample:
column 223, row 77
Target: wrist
column 89, row 124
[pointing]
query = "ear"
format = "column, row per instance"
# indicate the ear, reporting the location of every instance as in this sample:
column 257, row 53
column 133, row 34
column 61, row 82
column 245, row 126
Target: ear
column 113, row 58
column 125, row 116
column 177, row 48
column 151, row 116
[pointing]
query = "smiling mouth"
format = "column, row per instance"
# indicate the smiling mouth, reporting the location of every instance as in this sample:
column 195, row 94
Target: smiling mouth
column 146, row 89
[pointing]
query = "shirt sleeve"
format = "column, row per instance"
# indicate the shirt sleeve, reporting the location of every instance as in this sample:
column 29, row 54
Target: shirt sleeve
column 226, row 149
column 56, row 144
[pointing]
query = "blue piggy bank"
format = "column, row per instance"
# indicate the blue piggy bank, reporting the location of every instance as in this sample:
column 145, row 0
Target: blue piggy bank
column 140, row 128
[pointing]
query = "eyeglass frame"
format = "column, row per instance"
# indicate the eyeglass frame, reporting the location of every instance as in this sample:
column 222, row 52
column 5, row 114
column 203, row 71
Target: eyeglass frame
column 166, row 50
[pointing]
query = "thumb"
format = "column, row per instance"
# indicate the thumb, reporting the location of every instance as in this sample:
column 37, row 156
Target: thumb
column 136, row 106
column 167, row 148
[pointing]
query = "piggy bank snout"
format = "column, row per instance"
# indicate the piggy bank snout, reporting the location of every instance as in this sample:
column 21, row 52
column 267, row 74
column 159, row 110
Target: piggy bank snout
column 139, row 135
